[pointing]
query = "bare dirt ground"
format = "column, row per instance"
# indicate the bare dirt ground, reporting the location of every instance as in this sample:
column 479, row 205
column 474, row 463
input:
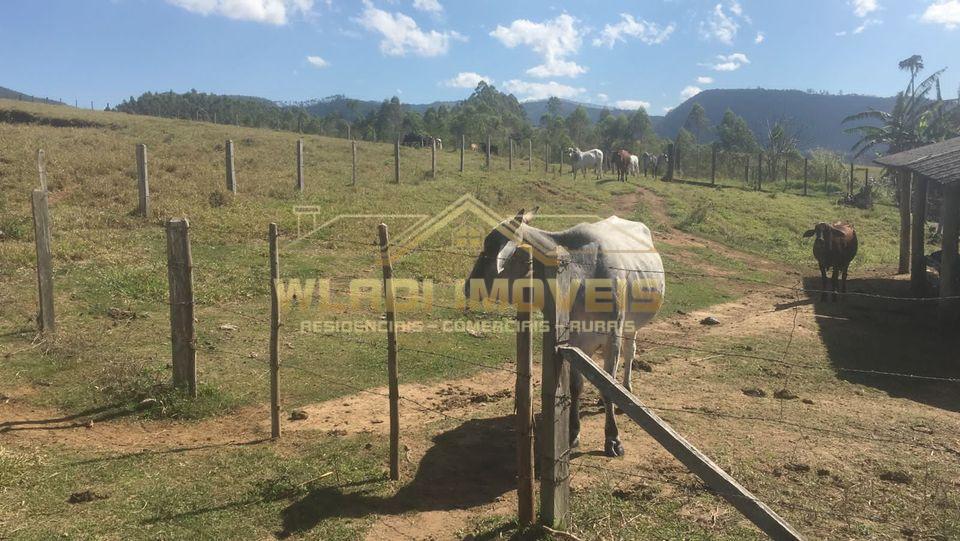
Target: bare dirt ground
column 813, row 465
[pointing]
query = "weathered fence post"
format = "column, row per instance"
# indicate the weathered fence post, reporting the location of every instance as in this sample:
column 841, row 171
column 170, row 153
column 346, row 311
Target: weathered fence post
column 180, row 275
column 850, row 186
column 786, row 164
column 524, row 398
column 396, row 162
column 463, row 143
column 530, row 155
column 806, row 168
column 510, row 159
column 488, row 152
column 866, row 176
column 433, row 157
column 389, row 298
column 671, row 157
column 555, row 400
column 918, row 267
column 41, row 234
column 903, row 184
column 42, row 169
column 274, row 333
column 759, row 173
column 546, row 157
column 825, row 173
column 713, row 164
column 231, row 178
column 561, row 161
column 143, row 182
column 948, row 268
column 353, row 157
column 299, row 165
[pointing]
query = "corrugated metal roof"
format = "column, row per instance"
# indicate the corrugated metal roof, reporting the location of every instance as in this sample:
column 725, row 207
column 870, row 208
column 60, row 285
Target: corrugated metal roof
column 939, row 161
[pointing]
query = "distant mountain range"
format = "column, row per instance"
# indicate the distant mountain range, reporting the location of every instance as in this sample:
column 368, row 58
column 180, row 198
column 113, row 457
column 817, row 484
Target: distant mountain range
column 817, row 118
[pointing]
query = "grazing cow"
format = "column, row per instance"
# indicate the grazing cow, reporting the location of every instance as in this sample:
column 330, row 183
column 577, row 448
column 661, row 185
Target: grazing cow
column 634, row 165
column 438, row 141
column 591, row 159
column 834, row 247
column 474, row 147
column 621, row 162
column 611, row 251
column 412, row 140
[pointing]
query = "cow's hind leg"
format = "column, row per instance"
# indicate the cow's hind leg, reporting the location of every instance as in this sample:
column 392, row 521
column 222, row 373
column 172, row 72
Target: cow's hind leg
column 611, row 446
column 843, row 276
column 630, row 349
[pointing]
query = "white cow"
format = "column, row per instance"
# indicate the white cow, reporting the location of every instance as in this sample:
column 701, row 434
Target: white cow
column 615, row 252
column 591, row 159
column 634, row 164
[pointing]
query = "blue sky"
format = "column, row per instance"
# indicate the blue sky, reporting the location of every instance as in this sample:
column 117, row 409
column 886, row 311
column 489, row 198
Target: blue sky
column 650, row 52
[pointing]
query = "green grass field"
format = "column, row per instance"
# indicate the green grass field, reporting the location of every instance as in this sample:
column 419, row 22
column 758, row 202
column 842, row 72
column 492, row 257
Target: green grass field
column 112, row 350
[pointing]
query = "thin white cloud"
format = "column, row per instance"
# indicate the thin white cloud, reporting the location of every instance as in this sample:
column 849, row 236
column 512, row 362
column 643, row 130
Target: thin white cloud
column 721, row 26
column 760, row 37
column 632, row 104
column 554, row 39
column 317, row 62
column 431, row 6
column 667, row 109
column 603, row 97
column 689, row 92
column 466, row 79
column 402, row 35
column 729, row 62
column 866, row 24
column 704, row 80
column 645, row 31
column 276, row 12
column 537, row 91
column 862, row 8
column 841, row 33
column 945, row 12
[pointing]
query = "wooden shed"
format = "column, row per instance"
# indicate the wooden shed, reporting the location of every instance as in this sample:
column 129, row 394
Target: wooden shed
column 938, row 162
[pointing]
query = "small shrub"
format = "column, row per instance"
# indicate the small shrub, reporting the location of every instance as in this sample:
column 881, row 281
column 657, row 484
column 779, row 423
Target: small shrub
column 697, row 215
column 12, row 228
column 219, row 199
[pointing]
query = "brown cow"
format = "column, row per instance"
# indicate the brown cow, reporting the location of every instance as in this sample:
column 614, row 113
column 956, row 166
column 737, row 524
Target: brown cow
column 834, row 247
column 621, row 162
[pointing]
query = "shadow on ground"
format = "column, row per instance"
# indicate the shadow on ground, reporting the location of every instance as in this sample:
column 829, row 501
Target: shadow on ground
column 866, row 335
column 470, row 465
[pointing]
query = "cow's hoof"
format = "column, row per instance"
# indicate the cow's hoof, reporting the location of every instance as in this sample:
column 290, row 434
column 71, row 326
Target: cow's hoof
column 613, row 448
column 575, row 442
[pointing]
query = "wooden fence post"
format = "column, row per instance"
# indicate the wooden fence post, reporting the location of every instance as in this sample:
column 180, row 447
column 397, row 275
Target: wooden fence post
column 918, row 267
column 396, row 162
column 948, row 269
column 530, row 154
column 231, row 178
column 546, row 157
column 389, row 297
column 510, row 159
column 300, row 165
column 180, row 275
column 463, row 143
column 806, row 169
column 850, row 186
column 561, row 161
column 903, row 184
column 143, row 182
column 433, row 158
column 274, row 333
column 353, row 156
column 555, row 400
column 41, row 234
column 786, row 164
column 866, row 176
column 42, row 169
column 524, row 398
column 488, row 152
column 713, row 164
column 759, row 173
column 825, row 171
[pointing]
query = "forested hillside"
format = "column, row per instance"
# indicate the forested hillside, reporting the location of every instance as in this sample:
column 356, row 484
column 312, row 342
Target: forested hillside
column 816, row 118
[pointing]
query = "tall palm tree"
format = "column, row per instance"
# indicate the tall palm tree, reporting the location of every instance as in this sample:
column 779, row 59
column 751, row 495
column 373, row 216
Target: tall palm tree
column 914, row 65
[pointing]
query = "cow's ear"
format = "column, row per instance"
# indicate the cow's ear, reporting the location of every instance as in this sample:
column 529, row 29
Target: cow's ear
column 519, row 217
column 527, row 216
column 809, row 233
